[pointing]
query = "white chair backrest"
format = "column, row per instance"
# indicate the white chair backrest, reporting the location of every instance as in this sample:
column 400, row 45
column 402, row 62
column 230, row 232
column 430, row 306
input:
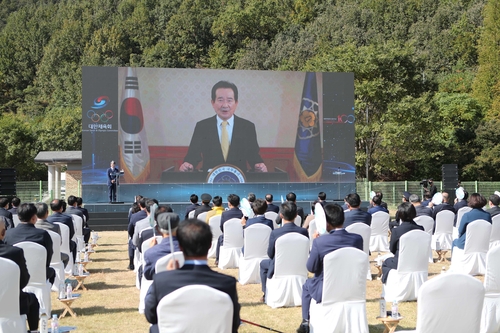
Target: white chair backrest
column 425, row 221
column 450, row 302
column 495, row 229
column 214, row 223
column 272, row 216
column 146, row 244
column 291, row 255
column 460, row 214
column 78, row 223
column 9, row 292
column 298, row 221
column 64, row 237
column 15, row 219
column 36, row 257
column 191, row 214
column 202, row 216
column 380, row 223
column 312, row 229
column 477, row 236
column 492, row 276
column 233, row 233
column 161, row 264
column 56, row 246
column 444, row 222
column 214, row 311
column 414, row 248
column 351, row 284
column 364, row 231
column 256, row 241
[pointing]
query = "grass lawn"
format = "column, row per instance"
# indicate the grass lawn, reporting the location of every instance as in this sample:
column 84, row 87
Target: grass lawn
column 111, row 301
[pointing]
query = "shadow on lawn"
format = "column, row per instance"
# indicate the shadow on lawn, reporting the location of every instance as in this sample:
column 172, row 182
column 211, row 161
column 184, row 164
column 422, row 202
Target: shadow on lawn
column 106, row 270
column 101, row 310
column 102, row 286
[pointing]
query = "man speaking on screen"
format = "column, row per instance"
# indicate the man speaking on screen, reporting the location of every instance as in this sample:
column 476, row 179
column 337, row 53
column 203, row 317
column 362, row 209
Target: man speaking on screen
column 224, row 138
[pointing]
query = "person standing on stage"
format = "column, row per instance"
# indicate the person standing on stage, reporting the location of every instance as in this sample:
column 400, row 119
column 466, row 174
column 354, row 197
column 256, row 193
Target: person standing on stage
column 113, row 176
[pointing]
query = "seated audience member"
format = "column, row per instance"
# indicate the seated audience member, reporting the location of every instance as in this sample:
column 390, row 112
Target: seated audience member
column 194, row 204
column 291, row 197
column 336, row 238
column 443, row 206
column 461, row 203
column 195, row 239
column 233, row 202
column 26, row 232
column 476, row 202
column 288, row 213
column 149, row 233
column 205, row 205
column 421, row 210
column 251, row 198
column 72, row 209
column 217, row 209
column 15, row 202
column 42, row 213
column 152, row 255
column 4, row 205
column 270, row 206
column 397, row 220
column 322, row 198
column 56, row 206
column 310, row 217
column 144, row 223
column 259, row 208
column 493, row 202
column 79, row 206
column 427, row 199
column 354, row 213
column 135, row 207
column 28, row 303
column 381, row 196
column 134, row 218
column 407, row 213
column 377, row 206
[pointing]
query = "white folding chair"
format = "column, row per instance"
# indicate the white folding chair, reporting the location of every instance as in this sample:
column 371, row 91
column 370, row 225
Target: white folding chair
column 311, row 231
column 460, row 214
column 449, row 303
column 229, row 255
column 10, row 318
column 214, row 223
column 380, row 228
column 427, row 223
column 202, row 216
column 298, row 221
column 403, row 283
column 65, row 247
column 56, row 262
column 272, row 216
column 15, row 219
column 145, row 283
column 443, row 234
column 191, row 214
column 36, row 258
column 256, row 242
column 290, row 272
column 78, row 236
column 161, row 264
column 213, row 308
column 364, row 231
column 343, row 305
column 472, row 259
column 495, row 231
column 490, row 319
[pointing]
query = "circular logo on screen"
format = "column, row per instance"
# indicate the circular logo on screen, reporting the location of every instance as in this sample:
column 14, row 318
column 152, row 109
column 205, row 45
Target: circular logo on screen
column 225, row 173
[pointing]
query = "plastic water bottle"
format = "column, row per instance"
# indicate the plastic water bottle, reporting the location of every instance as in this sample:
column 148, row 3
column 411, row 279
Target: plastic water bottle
column 44, row 322
column 69, row 291
column 62, row 291
column 54, row 324
column 443, row 270
column 438, row 246
column 78, row 257
column 379, row 260
column 395, row 310
column 86, row 257
column 383, row 307
column 80, row 269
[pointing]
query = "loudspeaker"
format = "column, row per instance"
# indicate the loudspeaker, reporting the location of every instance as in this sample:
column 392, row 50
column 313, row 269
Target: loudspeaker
column 7, row 182
column 450, row 180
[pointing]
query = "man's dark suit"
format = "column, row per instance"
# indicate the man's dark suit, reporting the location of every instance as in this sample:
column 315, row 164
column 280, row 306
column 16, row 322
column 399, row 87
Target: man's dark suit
column 27, row 232
column 260, row 219
column 166, row 282
column 233, row 213
column 205, row 145
column 74, row 210
column 201, row 209
column 392, row 263
column 85, row 213
column 267, row 265
column 273, row 208
column 443, row 206
column 8, row 215
column 357, row 215
column 300, row 212
column 28, row 303
column 423, row 211
column 152, row 255
column 68, row 221
column 134, row 218
column 474, row 214
column 495, row 210
column 190, row 208
column 460, row 204
column 113, row 174
column 13, row 210
column 336, row 239
column 376, row 209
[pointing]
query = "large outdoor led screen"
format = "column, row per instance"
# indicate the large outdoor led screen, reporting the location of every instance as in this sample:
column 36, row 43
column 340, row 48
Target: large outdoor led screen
column 181, row 126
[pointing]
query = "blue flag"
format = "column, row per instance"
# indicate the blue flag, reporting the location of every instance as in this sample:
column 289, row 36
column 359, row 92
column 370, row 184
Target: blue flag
column 308, row 155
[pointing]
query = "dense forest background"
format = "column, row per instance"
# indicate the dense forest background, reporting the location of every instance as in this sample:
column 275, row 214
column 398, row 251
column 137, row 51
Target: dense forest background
column 427, row 72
